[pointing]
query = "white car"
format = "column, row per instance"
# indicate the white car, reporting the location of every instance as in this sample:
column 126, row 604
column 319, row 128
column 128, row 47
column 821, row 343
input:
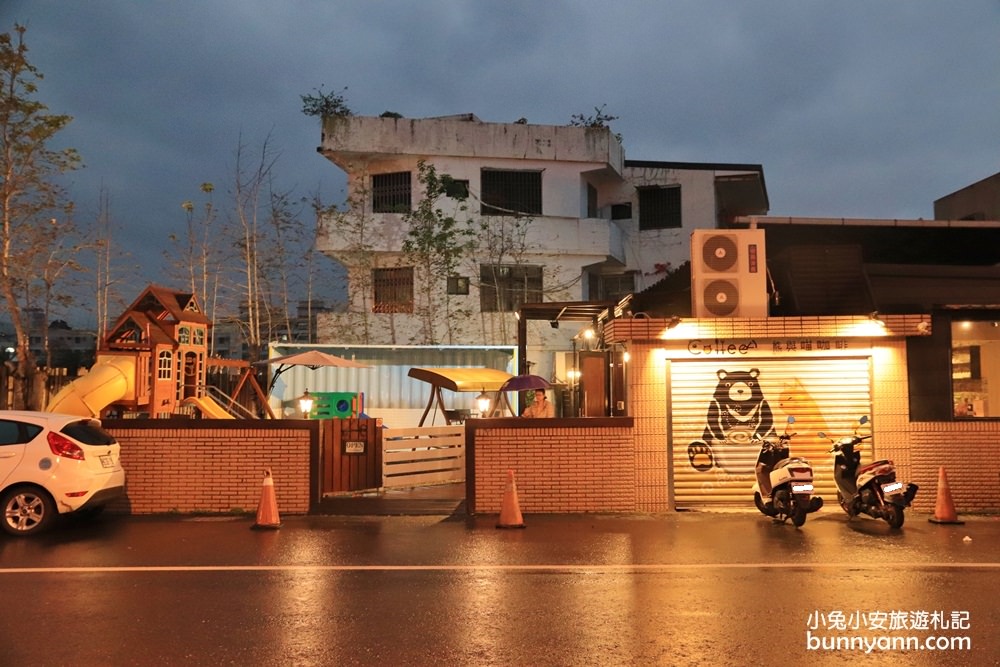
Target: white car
column 53, row 464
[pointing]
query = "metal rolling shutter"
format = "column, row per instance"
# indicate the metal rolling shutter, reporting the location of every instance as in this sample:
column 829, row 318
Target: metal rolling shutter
column 823, row 394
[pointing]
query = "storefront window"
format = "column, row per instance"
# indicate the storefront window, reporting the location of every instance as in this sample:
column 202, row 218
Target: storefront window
column 975, row 367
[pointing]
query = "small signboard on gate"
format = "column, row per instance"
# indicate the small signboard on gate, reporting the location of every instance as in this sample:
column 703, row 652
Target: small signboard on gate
column 354, row 446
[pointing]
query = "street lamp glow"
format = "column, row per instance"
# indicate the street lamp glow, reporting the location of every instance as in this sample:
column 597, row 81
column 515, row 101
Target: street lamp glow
column 483, row 403
column 305, row 404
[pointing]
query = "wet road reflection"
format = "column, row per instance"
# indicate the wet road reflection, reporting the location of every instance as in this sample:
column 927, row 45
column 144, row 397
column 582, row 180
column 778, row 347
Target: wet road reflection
column 691, row 588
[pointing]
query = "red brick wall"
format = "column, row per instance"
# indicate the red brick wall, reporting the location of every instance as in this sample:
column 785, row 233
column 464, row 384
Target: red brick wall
column 213, row 465
column 567, row 465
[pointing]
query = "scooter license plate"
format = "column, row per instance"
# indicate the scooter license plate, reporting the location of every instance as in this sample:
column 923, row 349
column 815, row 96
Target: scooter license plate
column 892, row 487
column 802, row 488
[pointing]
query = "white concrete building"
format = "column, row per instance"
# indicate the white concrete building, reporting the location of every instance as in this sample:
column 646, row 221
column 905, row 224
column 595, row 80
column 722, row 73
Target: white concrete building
column 558, row 213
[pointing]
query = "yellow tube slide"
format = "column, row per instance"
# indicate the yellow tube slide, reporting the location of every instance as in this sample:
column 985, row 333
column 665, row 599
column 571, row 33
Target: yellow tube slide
column 208, row 407
column 110, row 379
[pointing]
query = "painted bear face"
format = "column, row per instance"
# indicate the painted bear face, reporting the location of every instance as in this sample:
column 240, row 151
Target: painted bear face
column 739, row 391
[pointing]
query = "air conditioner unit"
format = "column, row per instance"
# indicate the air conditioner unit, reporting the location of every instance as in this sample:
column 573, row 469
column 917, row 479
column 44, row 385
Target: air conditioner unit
column 728, row 273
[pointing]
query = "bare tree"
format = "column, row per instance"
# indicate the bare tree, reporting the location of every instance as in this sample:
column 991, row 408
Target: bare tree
column 249, row 188
column 57, row 264
column 108, row 274
column 267, row 231
column 198, row 258
column 285, row 254
column 353, row 225
column 30, row 194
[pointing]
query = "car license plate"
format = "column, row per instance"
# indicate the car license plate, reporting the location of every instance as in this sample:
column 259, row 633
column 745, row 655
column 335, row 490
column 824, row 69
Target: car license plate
column 107, row 460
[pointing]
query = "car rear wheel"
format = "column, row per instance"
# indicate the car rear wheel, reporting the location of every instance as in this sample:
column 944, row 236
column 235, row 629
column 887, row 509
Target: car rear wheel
column 27, row 511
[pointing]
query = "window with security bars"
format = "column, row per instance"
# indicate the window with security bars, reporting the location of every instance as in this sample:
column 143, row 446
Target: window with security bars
column 393, row 290
column 659, row 207
column 510, row 192
column 391, row 192
column 504, row 287
column 611, row 287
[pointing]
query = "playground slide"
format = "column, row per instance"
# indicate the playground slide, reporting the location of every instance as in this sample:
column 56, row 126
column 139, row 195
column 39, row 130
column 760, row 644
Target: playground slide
column 110, row 379
column 208, row 407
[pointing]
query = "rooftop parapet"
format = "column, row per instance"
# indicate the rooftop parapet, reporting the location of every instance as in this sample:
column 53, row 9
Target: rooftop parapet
column 348, row 138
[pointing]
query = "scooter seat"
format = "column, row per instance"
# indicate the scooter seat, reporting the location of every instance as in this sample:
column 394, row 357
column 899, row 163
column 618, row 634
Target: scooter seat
column 873, row 465
column 795, row 460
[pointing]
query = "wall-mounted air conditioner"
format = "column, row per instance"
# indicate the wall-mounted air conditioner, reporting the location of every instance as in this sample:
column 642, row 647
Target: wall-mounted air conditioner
column 728, row 273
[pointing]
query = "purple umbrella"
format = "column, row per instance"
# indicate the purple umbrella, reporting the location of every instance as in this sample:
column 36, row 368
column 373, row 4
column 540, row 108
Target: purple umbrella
column 525, row 383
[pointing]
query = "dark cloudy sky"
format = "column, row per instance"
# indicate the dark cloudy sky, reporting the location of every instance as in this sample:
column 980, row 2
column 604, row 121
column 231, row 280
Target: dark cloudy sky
column 856, row 108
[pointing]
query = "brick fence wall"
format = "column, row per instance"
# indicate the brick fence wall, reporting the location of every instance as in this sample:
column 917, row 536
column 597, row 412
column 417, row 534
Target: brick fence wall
column 214, row 465
column 560, row 465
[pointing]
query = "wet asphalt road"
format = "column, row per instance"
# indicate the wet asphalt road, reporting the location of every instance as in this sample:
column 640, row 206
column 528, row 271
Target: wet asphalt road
column 681, row 589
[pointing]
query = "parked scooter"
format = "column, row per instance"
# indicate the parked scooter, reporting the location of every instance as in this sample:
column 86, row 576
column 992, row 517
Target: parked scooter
column 871, row 489
column 784, row 485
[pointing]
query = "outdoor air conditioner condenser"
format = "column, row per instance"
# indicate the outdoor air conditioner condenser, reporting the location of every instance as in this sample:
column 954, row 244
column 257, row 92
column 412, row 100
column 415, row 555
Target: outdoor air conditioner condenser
column 728, row 273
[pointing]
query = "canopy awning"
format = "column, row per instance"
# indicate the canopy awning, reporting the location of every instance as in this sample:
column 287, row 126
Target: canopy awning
column 462, row 379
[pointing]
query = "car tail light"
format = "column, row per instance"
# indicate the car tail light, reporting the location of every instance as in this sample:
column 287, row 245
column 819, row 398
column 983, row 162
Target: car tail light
column 63, row 446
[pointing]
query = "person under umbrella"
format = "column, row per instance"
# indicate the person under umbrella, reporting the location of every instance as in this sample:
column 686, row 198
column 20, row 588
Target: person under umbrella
column 540, row 407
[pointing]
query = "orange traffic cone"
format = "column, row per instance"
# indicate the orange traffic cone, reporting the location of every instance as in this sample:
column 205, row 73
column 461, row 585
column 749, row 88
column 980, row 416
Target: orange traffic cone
column 944, row 508
column 267, row 509
column 510, row 509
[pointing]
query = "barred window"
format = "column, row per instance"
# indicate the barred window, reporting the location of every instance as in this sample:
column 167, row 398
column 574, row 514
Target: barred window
column 510, row 192
column 659, row 207
column 504, row 287
column 393, row 290
column 612, row 287
column 391, row 192
column 164, row 364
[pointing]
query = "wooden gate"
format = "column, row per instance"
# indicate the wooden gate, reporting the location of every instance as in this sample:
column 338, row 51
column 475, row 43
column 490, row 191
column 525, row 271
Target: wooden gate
column 352, row 455
column 423, row 455
column 361, row 455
